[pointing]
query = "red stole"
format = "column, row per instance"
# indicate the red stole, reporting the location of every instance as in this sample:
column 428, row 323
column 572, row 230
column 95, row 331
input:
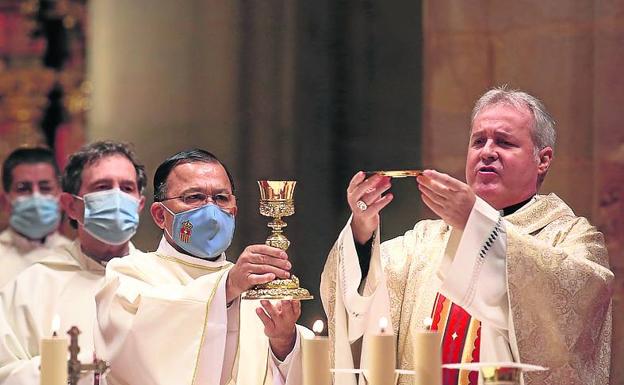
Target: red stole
column 460, row 340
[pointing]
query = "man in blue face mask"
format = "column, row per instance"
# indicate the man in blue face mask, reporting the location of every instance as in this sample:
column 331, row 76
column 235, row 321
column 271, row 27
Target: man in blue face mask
column 103, row 185
column 30, row 178
column 186, row 294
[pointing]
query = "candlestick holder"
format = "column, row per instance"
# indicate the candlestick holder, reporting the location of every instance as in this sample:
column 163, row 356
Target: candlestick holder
column 276, row 201
column 75, row 368
column 498, row 373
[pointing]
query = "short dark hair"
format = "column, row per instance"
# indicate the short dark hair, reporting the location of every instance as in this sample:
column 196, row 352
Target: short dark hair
column 182, row 157
column 91, row 153
column 26, row 155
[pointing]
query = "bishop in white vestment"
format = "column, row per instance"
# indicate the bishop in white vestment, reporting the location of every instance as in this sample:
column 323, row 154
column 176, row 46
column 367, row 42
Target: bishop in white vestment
column 505, row 275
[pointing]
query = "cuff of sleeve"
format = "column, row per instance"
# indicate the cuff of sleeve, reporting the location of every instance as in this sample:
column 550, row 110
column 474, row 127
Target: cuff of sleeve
column 457, row 275
column 284, row 366
column 233, row 314
column 351, row 275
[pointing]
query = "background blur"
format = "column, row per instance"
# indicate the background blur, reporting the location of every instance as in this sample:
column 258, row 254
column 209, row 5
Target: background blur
column 315, row 91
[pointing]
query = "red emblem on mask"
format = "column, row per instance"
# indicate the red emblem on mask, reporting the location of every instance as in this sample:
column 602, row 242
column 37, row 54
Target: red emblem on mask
column 185, row 231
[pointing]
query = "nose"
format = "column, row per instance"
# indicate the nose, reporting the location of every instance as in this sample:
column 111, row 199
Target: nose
column 488, row 152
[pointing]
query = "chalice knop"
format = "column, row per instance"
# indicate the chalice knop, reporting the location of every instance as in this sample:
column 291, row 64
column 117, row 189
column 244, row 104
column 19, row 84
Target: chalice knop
column 276, row 201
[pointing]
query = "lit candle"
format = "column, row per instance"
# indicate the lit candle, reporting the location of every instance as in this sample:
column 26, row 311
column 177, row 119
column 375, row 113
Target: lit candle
column 54, row 357
column 316, row 358
column 427, row 356
column 381, row 357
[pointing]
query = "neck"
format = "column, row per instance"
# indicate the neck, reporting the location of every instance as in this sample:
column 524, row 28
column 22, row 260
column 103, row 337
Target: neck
column 100, row 251
column 516, row 206
column 40, row 240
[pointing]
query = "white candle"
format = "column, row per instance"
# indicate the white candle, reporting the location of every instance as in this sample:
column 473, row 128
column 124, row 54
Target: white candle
column 316, row 358
column 381, row 357
column 427, row 356
column 54, row 357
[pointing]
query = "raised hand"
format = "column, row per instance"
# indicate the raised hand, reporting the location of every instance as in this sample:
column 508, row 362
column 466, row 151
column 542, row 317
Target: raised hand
column 448, row 197
column 279, row 325
column 256, row 265
column 366, row 201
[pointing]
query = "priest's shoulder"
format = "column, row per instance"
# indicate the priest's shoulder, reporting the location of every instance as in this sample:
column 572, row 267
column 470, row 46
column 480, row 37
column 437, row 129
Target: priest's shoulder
column 135, row 262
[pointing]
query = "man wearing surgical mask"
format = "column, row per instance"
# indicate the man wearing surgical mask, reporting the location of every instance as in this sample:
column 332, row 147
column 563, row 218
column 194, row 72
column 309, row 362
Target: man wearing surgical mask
column 185, row 295
column 30, row 178
column 103, row 185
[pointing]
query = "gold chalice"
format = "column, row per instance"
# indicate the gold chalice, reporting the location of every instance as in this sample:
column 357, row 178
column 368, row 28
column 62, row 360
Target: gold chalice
column 276, row 201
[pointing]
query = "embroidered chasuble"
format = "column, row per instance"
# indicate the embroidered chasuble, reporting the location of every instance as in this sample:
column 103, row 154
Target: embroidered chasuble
column 537, row 281
column 164, row 320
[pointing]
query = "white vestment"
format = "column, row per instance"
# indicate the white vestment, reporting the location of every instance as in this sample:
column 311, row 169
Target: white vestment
column 536, row 277
column 163, row 320
column 18, row 252
column 63, row 283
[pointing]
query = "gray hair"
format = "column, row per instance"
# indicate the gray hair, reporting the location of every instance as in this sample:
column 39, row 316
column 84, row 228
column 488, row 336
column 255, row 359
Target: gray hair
column 543, row 132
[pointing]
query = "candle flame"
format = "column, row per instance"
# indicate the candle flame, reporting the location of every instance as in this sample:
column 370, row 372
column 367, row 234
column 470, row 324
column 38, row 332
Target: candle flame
column 56, row 323
column 428, row 322
column 318, row 326
column 383, row 324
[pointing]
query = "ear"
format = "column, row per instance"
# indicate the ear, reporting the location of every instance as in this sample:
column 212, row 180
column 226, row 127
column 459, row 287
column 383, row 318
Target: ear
column 545, row 157
column 158, row 214
column 4, row 203
column 72, row 206
column 234, row 210
column 141, row 203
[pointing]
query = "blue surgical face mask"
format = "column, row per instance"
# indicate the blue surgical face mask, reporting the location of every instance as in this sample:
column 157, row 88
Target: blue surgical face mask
column 110, row 216
column 35, row 216
column 204, row 232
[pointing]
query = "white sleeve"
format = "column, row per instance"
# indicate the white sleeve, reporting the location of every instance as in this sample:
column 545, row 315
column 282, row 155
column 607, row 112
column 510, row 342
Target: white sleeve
column 473, row 270
column 282, row 373
column 363, row 310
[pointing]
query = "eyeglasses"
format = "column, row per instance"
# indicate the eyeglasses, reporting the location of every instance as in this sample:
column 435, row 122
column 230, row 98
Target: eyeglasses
column 196, row 199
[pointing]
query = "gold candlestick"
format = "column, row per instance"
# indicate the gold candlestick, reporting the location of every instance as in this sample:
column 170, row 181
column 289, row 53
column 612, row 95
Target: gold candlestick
column 498, row 373
column 276, row 201
column 495, row 375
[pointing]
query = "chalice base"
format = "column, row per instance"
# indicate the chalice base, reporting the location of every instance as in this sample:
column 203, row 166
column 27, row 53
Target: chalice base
column 279, row 289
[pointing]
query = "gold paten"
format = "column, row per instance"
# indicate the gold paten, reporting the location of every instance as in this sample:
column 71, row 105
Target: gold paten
column 276, row 201
column 395, row 173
